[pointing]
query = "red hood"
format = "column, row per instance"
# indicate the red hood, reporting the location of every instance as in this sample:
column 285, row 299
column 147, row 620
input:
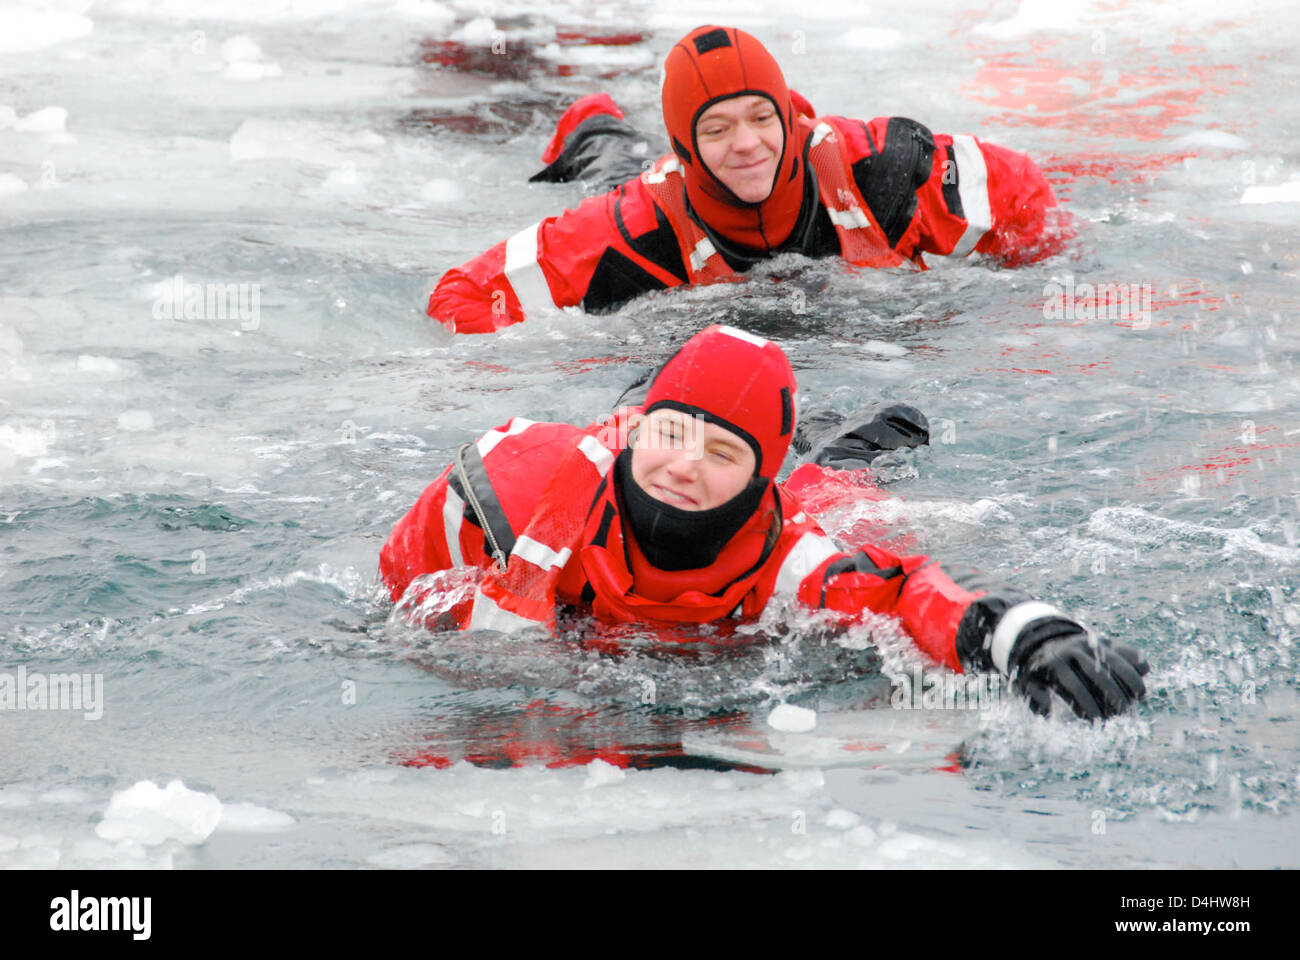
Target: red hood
column 716, row 63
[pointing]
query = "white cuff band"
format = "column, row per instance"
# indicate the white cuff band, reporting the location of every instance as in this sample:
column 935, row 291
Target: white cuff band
column 1013, row 621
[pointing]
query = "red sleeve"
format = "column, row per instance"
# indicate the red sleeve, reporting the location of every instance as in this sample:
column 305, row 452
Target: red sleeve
column 518, row 459
column 914, row 589
column 968, row 196
column 579, row 258
column 418, row 543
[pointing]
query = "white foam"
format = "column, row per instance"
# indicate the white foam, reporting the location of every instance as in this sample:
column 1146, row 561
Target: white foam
column 1134, row 525
column 24, row 28
column 791, row 719
column 148, row 815
column 23, row 441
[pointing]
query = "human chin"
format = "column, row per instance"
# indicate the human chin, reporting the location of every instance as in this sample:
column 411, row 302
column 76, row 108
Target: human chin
column 752, row 185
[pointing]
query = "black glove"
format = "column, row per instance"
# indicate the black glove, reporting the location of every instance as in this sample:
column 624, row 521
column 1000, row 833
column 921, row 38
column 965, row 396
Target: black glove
column 853, row 442
column 1098, row 679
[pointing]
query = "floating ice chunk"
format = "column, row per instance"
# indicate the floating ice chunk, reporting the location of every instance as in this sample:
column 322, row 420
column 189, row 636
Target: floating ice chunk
column 842, row 819
column 241, row 47
column 873, row 38
column 600, row 774
column 424, row 10
column 245, row 70
column 23, row 28
column 87, row 363
column 9, row 184
column 791, row 719
column 135, row 421
column 478, row 32
column 440, row 191
column 1211, row 138
column 1288, row 192
column 148, row 815
column 1034, row 15
column 343, row 180
column 250, row 818
column 10, row 343
column 47, row 120
column 313, row 143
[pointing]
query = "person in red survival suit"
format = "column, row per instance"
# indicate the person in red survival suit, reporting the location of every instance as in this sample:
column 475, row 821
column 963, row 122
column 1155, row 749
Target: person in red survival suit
column 752, row 173
column 671, row 513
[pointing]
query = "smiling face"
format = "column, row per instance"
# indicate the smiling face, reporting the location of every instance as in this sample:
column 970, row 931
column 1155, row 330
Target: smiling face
column 740, row 141
column 689, row 463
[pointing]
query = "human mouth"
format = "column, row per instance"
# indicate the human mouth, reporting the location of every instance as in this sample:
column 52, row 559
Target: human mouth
column 672, row 496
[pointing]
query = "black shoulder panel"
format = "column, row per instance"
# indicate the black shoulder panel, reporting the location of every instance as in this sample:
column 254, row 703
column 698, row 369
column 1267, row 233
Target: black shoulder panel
column 951, row 193
column 889, row 179
column 659, row 245
column 615, row 281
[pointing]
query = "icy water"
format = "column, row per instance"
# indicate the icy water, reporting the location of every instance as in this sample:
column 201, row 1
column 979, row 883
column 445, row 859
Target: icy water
column 192, row 504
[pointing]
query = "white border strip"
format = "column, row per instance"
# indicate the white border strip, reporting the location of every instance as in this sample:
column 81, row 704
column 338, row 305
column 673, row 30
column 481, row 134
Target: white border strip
column 972, row 186
column 1013, row 621
column 536, row 552
column 525, row 274
column 489, row 440
column 488, row 616
column 808, row 553
column 594, row 451
column 453, row 515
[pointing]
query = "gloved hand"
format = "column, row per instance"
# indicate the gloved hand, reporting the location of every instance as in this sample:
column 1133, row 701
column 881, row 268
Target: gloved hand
column 850, row 443
column 1098, row 679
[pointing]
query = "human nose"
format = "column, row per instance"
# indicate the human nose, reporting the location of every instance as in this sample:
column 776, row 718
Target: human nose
column 746, row 138
column 682, row 466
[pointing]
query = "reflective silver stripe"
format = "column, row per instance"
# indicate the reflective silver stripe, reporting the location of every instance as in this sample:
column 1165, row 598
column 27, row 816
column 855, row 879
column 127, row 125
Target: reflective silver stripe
column 700, row 255
column 534, row 551
column 808, row 553
column 744, row 335
column 525, row 274
column 493, row 437
column 851, row 219
column 1009, row 627
column 972, row 186
column 453, row 515
column 660, row 175
column 488, row 616
column 593, row 450
column 820, row 132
